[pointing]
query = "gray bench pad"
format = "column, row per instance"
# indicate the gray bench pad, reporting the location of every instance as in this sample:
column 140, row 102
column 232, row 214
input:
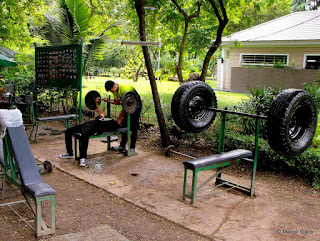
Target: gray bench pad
column 27, row 166
column 40, row 189
column 218, row 158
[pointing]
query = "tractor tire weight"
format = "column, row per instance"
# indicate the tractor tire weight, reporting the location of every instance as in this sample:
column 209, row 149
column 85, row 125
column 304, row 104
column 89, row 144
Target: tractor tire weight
column 291, row 119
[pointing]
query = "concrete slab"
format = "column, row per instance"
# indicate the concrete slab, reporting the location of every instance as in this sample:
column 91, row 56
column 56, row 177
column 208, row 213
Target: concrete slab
column 102, row 233
column 154, row 182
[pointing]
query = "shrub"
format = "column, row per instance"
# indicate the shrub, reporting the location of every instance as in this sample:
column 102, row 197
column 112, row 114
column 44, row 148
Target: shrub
column 259, row 102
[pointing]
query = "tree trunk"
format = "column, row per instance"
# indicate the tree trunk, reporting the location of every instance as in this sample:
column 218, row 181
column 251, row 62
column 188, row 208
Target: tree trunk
column 222, row 24
column 183, row 42
column 139, row 5
column 185, row 33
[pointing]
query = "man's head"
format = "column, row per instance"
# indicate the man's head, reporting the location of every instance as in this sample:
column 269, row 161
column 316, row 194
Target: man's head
column 111, row 86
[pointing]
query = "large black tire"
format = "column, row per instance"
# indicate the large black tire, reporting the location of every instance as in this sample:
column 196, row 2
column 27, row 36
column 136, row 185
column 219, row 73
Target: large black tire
column 292, row 122
column 175, row 103
column 189, row 106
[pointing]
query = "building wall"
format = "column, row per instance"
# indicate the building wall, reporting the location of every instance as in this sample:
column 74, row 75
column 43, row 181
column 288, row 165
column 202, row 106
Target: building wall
column 296, row 54
column 245, row 78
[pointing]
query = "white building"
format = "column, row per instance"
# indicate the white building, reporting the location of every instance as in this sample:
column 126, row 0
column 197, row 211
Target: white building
column 293, row 39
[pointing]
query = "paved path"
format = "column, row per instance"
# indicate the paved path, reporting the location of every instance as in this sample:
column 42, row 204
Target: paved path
column 154, row 183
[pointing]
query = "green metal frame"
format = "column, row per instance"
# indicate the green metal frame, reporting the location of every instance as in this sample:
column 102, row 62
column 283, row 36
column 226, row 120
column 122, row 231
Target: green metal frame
column 222, row 166
column 11, row 173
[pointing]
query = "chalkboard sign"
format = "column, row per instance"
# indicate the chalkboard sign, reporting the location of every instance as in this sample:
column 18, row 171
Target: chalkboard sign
column 59, row 66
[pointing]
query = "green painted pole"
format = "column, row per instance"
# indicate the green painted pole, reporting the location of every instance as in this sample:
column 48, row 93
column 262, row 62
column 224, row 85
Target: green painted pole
column 221, row 140
column 80, row 79
column 222, row 131
column 255, row 158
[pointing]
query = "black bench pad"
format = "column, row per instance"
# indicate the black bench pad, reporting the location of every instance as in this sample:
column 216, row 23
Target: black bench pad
column 27, row 165
column 58, row 117
column 121, row 130
column 217, row 158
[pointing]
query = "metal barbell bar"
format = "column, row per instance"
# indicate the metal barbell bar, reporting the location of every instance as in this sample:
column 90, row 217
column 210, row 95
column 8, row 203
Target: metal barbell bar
column 170, row 149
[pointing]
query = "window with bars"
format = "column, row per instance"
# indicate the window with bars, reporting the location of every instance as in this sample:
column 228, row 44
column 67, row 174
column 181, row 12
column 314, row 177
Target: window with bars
column 312, row 62
column 263, row 59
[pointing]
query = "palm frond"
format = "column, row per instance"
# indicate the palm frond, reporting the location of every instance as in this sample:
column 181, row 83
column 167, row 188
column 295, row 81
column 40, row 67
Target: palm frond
column 81, row 13
column 96, row 46
column 51, row 31
column 66, row 24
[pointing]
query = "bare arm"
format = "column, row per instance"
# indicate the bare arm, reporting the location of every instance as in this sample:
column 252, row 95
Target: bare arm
column 100, row 112
column 120, row 117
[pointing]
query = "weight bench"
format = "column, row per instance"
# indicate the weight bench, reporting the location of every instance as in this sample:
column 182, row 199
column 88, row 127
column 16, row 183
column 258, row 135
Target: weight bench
column 62, row 118
column 20, row 169
column 219, row 161
column 108, row 134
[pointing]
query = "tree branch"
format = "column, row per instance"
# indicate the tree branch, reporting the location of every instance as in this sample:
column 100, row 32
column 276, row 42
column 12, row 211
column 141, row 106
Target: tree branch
column 215, row 9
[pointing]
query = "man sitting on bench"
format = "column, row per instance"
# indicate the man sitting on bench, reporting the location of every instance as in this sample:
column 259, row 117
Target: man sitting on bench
column 89, row 128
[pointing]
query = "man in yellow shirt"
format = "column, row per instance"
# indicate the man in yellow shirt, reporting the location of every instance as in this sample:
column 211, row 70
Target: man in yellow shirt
column 118, row 90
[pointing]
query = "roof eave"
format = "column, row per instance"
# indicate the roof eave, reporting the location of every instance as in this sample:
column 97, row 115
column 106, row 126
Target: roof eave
column 273, row 43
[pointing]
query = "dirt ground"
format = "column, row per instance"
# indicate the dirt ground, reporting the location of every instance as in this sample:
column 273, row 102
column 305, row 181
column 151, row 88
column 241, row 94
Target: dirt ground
column 140, row 197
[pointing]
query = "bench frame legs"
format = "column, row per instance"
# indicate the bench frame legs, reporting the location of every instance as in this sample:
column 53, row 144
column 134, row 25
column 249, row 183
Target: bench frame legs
column 42, row 228
column 220, row 168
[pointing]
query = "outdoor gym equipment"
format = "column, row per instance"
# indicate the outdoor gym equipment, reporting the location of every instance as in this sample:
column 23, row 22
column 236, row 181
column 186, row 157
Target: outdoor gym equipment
column 130, row 103
column 19, row 168
column 291, row 119
column 291, row 123
column 60, row 68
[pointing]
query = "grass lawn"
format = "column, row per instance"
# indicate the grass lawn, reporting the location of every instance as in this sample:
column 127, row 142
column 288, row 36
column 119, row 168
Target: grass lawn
column 166, row 90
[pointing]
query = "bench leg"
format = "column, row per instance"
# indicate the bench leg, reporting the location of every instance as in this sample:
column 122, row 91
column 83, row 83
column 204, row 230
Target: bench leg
column 3, row 186
column 36, row 133
column 42, row 228
column 185, row 183
column 194, row 186
column 34, row 128
column 108, row 143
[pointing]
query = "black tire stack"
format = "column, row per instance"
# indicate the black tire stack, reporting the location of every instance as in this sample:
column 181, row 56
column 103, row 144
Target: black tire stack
column 187, row 106
column 292, row 121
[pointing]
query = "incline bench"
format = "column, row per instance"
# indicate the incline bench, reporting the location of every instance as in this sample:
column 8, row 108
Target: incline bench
column 219, row 161
column 22, row 171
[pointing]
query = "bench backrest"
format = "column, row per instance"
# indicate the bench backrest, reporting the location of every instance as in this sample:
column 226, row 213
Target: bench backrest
column 23, row 155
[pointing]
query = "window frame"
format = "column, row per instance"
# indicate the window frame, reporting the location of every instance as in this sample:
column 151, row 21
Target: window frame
column 262, row 64
column 305, row 59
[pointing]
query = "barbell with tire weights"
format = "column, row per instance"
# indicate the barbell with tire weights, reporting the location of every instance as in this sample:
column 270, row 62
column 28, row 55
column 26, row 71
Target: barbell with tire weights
column 291, row 120
column 130, row 101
